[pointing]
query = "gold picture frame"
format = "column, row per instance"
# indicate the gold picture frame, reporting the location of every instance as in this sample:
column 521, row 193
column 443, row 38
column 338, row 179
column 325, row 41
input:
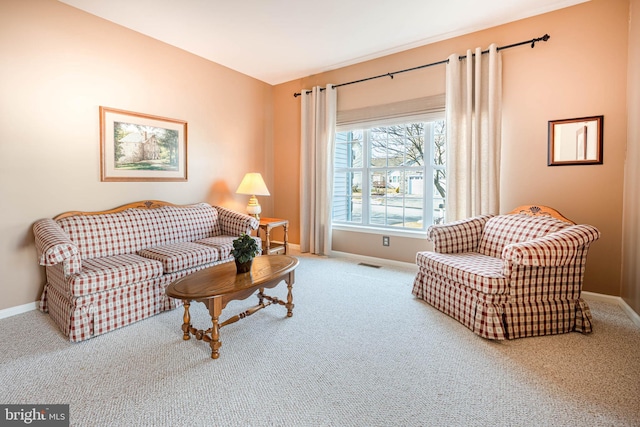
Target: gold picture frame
column 576, row 141
column 141, row 147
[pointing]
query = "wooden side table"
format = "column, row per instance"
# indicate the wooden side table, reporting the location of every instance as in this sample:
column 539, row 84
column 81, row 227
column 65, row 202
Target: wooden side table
column 270, row 247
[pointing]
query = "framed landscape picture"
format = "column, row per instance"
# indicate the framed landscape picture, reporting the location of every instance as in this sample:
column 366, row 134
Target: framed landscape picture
column 141, row 147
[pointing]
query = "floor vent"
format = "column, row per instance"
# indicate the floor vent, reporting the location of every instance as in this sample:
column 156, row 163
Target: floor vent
column 369, row 265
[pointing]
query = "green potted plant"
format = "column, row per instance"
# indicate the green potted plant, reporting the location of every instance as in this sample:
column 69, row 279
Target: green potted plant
column 245, row 248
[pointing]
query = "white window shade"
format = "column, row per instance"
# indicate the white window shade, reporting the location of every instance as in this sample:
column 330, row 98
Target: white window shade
column 417, row 109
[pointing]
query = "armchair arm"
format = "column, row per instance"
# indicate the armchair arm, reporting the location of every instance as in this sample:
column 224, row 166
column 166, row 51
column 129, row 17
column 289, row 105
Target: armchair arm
column 458, row 236
column 553, row 250
column 234, row 223
column 54, row 246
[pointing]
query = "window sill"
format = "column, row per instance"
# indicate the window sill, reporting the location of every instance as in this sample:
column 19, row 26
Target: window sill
column 418, row 234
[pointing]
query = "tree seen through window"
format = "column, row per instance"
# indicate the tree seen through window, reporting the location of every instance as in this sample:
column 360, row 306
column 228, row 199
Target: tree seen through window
column 380, row 176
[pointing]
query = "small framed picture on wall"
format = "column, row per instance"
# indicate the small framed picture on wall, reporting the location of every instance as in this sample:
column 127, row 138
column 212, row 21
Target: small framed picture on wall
column 576, row 141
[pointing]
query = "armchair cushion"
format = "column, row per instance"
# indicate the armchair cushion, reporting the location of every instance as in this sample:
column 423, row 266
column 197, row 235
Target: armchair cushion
column 503, row 230
column 480, row 272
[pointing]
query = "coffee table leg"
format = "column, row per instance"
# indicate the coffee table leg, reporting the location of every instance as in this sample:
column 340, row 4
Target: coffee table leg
column 289, row 303
column 186, row 319
column 215, row 308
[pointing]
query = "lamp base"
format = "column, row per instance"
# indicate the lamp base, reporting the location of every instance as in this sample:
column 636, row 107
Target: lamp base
column 254, row 208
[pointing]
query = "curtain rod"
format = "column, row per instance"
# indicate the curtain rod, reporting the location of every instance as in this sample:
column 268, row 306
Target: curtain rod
column 532, row 42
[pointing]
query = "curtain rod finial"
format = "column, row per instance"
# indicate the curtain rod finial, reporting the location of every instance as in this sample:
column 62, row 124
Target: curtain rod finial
column 543, row 38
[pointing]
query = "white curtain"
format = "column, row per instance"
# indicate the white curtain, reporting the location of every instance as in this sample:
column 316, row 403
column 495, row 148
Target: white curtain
column 316, row 169
column 474, row 111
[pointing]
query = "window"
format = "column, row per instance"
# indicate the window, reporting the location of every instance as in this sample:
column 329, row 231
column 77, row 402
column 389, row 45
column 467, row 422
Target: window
column 390, row 176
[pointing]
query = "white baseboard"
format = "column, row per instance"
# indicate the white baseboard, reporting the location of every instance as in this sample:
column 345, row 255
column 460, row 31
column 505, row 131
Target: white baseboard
column 374, row 260
column 635, row 317
column 294, row 247
column 12, row 311
column 602, row 297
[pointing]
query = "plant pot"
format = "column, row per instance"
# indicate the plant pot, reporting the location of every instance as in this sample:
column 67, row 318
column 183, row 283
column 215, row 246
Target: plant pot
column 243, row 267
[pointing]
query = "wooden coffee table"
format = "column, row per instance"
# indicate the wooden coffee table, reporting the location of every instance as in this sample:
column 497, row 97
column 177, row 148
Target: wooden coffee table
column 218, row 285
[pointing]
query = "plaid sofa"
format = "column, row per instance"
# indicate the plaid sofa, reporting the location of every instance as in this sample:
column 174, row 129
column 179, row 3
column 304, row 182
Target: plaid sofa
column 108, row 270
column 508, row 276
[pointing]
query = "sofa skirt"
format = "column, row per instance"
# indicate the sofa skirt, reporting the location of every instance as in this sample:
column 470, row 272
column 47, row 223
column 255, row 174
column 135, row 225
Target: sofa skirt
column 87, row 316
column 496, row 317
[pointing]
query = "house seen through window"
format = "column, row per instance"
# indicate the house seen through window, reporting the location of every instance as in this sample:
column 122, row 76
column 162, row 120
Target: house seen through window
column 390, row 177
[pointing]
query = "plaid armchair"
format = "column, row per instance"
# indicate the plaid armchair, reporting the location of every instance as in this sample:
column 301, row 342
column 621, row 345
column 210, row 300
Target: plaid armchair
column 508, row 276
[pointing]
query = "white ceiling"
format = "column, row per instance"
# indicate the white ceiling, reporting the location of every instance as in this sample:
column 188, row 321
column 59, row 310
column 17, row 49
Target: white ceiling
column 281, row 40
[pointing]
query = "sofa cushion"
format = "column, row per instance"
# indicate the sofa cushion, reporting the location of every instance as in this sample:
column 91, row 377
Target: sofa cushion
column 503, row 230
column 182, row 255
column 173, row 224
column 131, row 230
column 480, row 272
column 104, row 273
column 224, row 245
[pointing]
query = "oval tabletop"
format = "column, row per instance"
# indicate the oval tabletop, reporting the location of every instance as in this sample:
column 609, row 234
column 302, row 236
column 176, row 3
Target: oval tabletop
column 222, row 279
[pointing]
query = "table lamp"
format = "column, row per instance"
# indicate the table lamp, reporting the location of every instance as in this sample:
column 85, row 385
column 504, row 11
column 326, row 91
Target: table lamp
column 252, row 184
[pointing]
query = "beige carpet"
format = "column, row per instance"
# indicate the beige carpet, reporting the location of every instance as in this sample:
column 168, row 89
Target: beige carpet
column 360, row 350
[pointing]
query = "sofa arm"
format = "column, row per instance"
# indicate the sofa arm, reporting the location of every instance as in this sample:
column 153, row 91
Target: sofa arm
column 54, row 246
column 233, row 223
column 553, row 250
column 458, row 236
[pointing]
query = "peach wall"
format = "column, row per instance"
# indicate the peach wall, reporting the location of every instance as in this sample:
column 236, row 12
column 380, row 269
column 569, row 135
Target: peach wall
column 580, row 71
column 631, row 219
column 286, row 157
column 58, row 64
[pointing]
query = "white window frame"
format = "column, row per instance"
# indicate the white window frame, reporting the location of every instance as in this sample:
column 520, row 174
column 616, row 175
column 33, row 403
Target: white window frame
column 428, row 170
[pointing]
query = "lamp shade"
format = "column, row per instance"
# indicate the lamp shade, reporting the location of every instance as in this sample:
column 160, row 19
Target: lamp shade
column 253, row 184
